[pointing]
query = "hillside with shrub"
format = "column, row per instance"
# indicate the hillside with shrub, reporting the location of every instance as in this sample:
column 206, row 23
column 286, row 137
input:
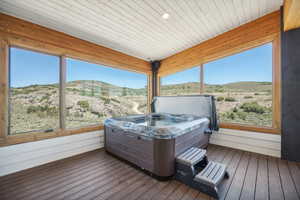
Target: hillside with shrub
column 247, row 103
column 87, row 102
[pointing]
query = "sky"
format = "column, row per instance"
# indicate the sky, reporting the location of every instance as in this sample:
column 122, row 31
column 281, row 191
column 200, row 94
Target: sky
column 251, row 65
column 28, row 68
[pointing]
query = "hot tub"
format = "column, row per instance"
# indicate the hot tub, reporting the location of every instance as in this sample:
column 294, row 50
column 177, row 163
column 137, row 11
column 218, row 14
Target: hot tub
column 152, row 141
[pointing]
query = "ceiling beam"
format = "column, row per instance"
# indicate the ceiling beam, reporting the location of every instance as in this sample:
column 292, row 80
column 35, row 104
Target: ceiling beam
column 244, row 37
column 291, row 14
column 28, row 35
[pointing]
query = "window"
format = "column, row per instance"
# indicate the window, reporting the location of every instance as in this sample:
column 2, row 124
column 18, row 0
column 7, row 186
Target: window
column 34, row 91
column 186, row 82
column 94, row 93
column 242, row 85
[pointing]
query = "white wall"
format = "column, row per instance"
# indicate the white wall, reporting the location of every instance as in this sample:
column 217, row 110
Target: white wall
column 27, row 155
column 263, row 143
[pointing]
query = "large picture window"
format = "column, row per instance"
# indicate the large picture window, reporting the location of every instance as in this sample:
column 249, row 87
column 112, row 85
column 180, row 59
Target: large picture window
column 34, row 91
column 186, row 82
column 242, row 85
column 94, row 93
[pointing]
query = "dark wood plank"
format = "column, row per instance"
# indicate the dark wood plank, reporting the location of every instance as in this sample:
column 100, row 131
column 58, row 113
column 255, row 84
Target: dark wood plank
column 33, row 186
column 16, row 179
column 179, row 192
column 295, row 173
column 93, row 189
column 262, row 182
column 190, row 194
column 163, row 194
column 232, row 161
column 73, row 183
column 275, row 189
column 238, row 180
column 154, row 190
column 141, row 190
column 125, row 189
column 248, row 191
column 202, row 196
column 289, row 189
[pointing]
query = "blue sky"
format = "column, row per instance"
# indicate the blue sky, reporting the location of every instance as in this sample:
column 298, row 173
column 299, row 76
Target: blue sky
column 28, row 68
column 251, row 65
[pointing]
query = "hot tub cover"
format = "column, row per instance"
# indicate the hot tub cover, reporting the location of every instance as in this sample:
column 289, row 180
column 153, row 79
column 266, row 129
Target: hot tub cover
column 199, row 105
column 159, row 125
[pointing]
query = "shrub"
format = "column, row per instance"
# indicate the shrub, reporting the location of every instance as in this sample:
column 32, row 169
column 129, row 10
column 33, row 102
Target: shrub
column 256, row 94
column 107, row 101
column 235, row 109
column 220, row 98
column 83, row 104
column 242, row 115
column 32, row 109
column 46, row 97
column 230, row 99
column 115, row 100
column 230, row 115
column 43, row 111
column 248, row 97
column 253, row 107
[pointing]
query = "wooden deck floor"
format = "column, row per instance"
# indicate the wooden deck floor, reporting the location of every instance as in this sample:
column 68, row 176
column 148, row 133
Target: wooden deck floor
column 97, row 175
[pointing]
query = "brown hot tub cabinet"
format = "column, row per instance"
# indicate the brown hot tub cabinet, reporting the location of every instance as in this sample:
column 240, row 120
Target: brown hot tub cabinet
column 156, row 155
column 153, row 141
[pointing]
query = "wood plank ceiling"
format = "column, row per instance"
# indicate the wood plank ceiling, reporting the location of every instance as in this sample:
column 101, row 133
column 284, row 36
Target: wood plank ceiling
column 136, row 27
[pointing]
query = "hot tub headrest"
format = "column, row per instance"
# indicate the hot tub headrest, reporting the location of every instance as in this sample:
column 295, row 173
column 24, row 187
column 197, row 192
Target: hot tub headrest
column 200, row 105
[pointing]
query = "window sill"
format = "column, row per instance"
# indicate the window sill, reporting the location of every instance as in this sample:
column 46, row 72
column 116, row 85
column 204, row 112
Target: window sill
column 31, row 137
column 250, row 128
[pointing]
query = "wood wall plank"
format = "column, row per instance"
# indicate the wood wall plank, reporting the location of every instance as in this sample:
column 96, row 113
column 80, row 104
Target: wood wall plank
column 23, row 33
column 3, row 89
column 291, row 14
column 247, row 36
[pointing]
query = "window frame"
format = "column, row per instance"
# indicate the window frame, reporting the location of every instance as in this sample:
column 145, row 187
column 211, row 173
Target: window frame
column 276, row 86
column 9, row 93
column 36, row 46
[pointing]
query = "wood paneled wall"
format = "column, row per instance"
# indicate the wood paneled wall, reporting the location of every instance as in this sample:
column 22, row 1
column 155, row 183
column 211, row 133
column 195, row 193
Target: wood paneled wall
column 291, row 14
column 25, row 34
column 247, row 36
column 20, row 33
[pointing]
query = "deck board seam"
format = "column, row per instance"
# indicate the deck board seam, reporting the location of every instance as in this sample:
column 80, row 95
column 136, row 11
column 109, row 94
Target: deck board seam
column 245, row 176
column 294, row 183
column 256, row 175
column 277, row 164
column 234, row 175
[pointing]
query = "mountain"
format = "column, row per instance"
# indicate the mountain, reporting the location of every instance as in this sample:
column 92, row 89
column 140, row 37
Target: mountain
column 236, row 86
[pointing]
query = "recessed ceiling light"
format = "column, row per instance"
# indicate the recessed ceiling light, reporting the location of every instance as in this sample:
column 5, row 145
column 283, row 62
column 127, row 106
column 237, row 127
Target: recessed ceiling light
column 165, row 16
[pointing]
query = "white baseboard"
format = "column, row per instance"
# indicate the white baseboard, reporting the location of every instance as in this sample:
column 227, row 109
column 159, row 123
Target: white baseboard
column 23, row 156
column 267, row 144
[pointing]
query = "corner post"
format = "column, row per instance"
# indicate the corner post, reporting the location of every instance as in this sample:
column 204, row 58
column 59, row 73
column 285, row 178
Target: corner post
column 155, row 67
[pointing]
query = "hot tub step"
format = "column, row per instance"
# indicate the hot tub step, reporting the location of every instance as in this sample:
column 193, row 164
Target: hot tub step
column 191, row 156
column 212, row 174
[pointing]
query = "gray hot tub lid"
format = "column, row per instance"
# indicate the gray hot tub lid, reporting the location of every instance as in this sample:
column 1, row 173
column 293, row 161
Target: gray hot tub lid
column 199, row 105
